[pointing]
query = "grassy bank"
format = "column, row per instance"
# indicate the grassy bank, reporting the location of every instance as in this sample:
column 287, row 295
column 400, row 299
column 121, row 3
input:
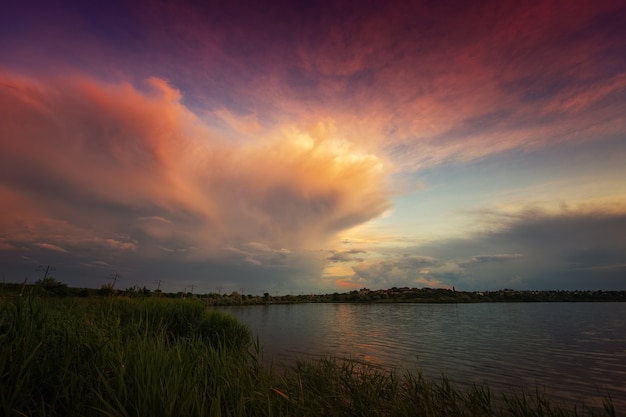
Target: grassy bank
column 159, row 357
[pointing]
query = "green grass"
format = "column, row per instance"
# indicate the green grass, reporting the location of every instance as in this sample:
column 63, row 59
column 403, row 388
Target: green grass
column 159, row 357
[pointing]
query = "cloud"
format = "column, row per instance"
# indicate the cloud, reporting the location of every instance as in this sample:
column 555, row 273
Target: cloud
column 428, row 88
column 570, row 248
column 6, row 245
column 276, row 130
column 417, row 85
column 257, row 253
column 51, row 247
column 399, row 271
column 346, row 256
column 116, row 244
column 86, row 164
column 431, row 283
column 499, row 257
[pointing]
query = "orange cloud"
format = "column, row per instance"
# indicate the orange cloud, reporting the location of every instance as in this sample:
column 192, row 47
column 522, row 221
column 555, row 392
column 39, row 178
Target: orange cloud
column 347, row 285
column 137, row 169
column 431, row 282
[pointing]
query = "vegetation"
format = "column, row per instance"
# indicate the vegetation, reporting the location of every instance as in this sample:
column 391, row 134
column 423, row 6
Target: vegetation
column 440, row 295
column 52, row 288
column 111, row 356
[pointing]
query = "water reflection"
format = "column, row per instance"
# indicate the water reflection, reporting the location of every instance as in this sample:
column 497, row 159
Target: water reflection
column 577, row 351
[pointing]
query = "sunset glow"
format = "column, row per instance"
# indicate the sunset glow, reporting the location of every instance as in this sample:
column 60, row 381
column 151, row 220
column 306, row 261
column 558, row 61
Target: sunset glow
column 315, row 147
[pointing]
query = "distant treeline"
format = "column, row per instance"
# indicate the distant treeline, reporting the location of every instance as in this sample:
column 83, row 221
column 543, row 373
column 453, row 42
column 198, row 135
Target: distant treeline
column 53, row 288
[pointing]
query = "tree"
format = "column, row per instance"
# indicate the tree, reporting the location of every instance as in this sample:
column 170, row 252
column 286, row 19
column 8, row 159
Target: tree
column 106, row 289
column 235, row 298
column 50, row 286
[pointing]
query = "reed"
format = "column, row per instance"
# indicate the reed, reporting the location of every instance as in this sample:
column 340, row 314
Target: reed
column 161, row 357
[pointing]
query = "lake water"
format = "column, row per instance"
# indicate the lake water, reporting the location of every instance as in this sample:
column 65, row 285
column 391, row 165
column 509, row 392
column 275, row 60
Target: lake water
column 573, row 351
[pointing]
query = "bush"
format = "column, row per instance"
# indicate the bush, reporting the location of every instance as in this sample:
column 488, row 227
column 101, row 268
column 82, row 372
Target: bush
column 51, row 287
column 219, row 329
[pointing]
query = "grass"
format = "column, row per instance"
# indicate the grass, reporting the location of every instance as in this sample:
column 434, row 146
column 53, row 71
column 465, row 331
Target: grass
column 159, row 357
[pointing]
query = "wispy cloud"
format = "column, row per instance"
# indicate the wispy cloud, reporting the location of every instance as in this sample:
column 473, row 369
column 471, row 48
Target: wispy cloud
column 499, row 257
column 346, row 256
column 50, row 246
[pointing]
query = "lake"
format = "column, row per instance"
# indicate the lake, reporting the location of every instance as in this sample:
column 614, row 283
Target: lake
column 575, row 351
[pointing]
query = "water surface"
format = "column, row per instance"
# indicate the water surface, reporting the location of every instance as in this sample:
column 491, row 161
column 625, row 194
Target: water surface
column 575, row 351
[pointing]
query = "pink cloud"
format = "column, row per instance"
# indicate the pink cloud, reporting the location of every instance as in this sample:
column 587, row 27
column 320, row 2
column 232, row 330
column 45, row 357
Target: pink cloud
column 109, row 159
column 413, row 84
column 50, row 247
column 491, row 79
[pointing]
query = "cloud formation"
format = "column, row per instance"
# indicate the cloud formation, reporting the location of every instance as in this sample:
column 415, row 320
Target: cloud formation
column 417, row 83
column 218, row 142
column 116, row 168
column 346, row 256
column 569, row 249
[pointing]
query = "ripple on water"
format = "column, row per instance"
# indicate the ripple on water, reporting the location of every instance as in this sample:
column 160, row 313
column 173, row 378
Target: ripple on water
column 573, row 351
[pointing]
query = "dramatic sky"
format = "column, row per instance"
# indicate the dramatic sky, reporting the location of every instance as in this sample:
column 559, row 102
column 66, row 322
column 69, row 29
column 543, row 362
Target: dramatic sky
column 296, row 147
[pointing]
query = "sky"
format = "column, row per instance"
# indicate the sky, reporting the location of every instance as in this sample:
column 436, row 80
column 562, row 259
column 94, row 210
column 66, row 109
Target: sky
column 314, row 147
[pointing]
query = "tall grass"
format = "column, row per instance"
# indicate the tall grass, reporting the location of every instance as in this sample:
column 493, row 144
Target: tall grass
column 156, row 357
column 116, row 357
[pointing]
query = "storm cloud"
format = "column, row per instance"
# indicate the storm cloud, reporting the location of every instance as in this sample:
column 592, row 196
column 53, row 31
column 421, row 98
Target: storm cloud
column 569, row 249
